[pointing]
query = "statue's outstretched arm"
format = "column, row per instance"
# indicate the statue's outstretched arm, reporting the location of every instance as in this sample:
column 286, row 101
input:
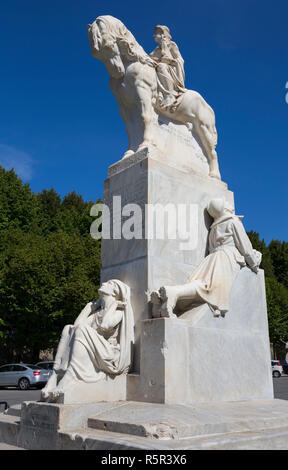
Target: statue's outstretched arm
column 243, row 244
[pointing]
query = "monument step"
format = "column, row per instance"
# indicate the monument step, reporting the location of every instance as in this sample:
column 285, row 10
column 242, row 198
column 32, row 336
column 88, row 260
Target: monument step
column 14, row 410
column 265, row 439
column 164, row 422
column 148, row 426
column 9, row 429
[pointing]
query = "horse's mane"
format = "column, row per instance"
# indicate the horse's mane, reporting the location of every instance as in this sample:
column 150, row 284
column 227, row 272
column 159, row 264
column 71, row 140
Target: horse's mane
column 127, row 43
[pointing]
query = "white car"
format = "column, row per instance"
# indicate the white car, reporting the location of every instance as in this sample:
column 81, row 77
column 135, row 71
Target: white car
column 277, row 369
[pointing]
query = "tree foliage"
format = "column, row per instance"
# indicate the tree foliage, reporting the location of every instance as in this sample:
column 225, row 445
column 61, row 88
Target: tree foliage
column 275, row 265
column 50, row 266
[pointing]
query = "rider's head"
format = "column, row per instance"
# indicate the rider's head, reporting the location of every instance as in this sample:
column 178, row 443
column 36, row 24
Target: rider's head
column 160, row 31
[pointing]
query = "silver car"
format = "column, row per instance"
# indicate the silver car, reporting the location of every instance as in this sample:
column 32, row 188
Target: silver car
column 48, row 365
column 23, row 376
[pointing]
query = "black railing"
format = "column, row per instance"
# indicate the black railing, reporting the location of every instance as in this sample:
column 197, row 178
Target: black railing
column 5, row 405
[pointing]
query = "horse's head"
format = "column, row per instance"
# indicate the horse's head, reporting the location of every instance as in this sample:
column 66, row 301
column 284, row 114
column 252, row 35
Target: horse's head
column 114, row 44
column 103, row 36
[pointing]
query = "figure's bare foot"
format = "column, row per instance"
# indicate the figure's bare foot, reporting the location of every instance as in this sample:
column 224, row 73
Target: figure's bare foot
column 156, row 304
column 168, row 295
column 64, row 384
column 56, row 393
column 167, row 310
column 216, row 313
column 49, row 387
column 45, row 394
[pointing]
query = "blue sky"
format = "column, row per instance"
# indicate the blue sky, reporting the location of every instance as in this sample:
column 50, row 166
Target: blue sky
column 60, row 125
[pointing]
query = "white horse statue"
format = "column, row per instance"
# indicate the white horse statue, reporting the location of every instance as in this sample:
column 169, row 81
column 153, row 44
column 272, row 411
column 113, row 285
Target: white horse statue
column 135, row 85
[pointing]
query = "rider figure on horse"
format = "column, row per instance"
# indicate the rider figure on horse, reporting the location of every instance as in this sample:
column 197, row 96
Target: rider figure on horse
column 169, row 68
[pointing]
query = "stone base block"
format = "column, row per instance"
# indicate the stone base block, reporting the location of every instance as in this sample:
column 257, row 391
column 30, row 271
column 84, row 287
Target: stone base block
column 200, row 358
column 41, row 422
column 109, row 389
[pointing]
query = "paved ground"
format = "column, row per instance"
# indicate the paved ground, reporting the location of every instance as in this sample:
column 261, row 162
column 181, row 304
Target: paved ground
column 281, row 387
column 14, row 396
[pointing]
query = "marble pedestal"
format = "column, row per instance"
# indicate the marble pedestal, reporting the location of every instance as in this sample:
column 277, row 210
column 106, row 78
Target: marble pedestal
column 108, row 389
column 146, row 264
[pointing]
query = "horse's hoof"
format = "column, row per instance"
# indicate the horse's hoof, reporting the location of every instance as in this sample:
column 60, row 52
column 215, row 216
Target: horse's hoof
column 215, row 175
column 146, row 145
column 127, row 154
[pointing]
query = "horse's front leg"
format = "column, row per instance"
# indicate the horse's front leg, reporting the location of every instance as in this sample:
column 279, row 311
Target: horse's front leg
column 146, row 115
column 124, row 113
column 118, row 90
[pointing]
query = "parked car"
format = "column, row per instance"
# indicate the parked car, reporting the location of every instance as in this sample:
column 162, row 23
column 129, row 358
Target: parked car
column 23, row 376
column 284, row 365
column 277, row 369
column 47, row 365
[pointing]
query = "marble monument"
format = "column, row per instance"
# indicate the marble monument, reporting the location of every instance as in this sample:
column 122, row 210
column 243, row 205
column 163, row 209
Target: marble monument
column 172, row 159
column 175, row 354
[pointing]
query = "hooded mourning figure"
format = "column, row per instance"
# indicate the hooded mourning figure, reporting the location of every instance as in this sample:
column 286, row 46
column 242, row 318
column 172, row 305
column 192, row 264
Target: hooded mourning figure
column 211, row 282
column 98, row 344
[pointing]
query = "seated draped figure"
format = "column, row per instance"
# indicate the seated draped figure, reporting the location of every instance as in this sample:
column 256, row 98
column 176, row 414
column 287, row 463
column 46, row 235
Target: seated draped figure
column 169, row 69
column 97, row 345
column 211, row 282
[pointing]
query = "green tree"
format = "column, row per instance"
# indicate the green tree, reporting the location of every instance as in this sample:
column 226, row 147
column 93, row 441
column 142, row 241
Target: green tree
column 49, row 266
column 275, row 264
column 50, row 205
column 260, row 245
column 279, row 256
column 277, row 306
column 44, row 285
column 18, row 204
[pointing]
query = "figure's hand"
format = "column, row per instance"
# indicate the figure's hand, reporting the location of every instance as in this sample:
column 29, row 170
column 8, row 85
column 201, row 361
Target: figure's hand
column 168, row 60
column 154, row 61
column 165, row 60
column 121, row 304
column 95, row 305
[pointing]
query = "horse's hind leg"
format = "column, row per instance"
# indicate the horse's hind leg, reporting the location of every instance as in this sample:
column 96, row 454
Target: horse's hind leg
column 209, row 149
column 212, row 154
